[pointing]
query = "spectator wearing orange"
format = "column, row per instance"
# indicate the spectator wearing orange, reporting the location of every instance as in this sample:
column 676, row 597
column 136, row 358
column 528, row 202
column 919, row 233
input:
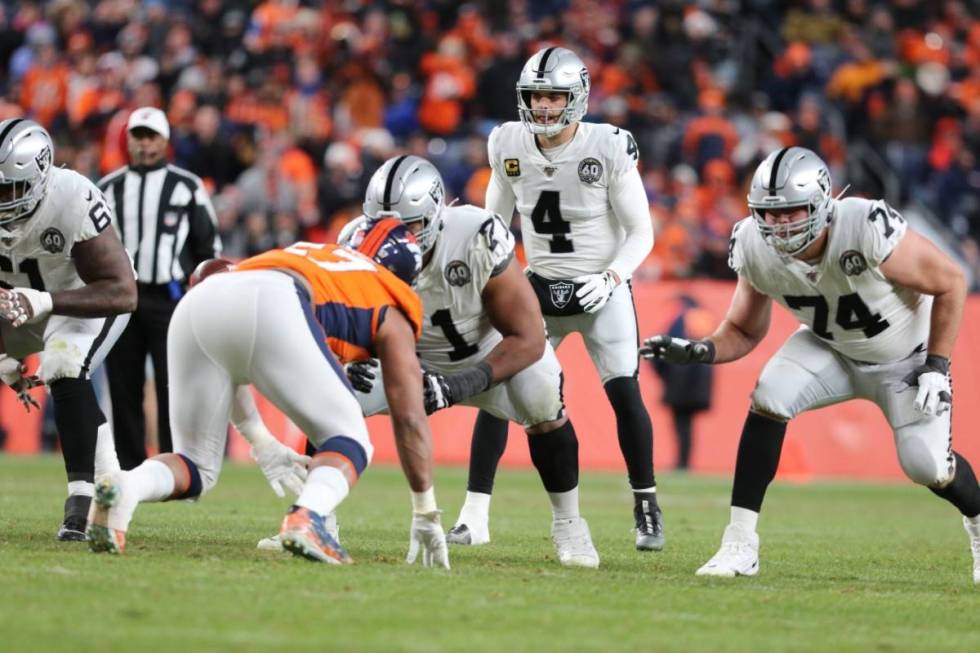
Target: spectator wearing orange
column 449, row 81
column 710, row 135
column 44, row 94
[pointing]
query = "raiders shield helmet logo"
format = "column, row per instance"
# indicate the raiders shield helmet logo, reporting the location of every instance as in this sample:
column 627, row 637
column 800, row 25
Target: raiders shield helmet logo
column 458, row 273
column 561, row 293
column 852, row 262
column 52, row 240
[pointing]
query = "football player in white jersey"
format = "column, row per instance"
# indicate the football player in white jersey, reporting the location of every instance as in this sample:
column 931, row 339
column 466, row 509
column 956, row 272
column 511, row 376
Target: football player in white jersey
column 880, row 307
column 483, row 342
column 586, row 226
column 68, row 287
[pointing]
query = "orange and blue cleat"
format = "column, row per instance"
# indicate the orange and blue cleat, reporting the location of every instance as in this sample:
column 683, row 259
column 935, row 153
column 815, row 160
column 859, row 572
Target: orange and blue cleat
column 101, row 537
column 304, row 533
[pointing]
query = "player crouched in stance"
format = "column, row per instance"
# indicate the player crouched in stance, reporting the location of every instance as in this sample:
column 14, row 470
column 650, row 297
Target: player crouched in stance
column 68, row 289
column 483, row 342
column 271, row 322
column 881, row 307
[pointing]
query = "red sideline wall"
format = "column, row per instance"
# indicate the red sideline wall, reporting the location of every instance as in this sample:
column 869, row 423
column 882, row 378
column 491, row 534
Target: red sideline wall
column 848, row 440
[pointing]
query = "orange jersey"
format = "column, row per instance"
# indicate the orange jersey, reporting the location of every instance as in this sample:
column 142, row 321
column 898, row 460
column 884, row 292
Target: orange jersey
column 350, row 293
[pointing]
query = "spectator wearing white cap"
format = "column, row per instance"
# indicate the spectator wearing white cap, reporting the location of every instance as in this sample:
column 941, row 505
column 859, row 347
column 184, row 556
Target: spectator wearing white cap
column 166, row 221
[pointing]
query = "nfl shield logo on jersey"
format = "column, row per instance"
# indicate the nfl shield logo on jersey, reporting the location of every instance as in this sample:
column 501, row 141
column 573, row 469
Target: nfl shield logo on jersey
column 561, row 292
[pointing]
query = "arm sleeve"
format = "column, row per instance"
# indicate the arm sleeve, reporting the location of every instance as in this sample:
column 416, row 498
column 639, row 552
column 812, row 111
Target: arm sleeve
column 500, row 197
column 629, row 202
column 204, row 240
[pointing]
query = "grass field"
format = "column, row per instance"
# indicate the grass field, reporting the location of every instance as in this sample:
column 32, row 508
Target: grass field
column 844, row 568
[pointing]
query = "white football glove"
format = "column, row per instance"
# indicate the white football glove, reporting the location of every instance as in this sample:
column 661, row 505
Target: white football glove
column 22, row 305
column 428, row 537
column 596, row 290
column 932, row 378
column 12, row 374
column 282, row 466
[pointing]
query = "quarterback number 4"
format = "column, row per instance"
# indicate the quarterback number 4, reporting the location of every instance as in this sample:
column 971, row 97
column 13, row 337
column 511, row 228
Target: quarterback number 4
column 631, row 148
column 852, row 313
column 546, row 218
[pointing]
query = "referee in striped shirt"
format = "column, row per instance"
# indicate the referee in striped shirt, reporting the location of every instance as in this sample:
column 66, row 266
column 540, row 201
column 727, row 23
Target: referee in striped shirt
column 166, row 221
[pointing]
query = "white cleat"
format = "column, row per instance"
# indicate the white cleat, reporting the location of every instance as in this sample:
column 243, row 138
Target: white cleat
column 738, row 555
column 110, row 514
column 274, row 543
column 573, row 543
column 468, row 535
column 975, row 548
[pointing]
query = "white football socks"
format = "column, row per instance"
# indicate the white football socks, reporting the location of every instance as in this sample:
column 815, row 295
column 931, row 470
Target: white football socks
column 106, row 460
column 151, row 481
column 476, row 509
column 564, row 505
column 745, row 518
column 972, row 526
column 325, row 488
column 83, row 488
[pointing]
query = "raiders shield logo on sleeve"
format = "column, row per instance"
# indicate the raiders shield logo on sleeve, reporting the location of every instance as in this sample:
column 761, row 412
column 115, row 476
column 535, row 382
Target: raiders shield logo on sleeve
column 561, row 292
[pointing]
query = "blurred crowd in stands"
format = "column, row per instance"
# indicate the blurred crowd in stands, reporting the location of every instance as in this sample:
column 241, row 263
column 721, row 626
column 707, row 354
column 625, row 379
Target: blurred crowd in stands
column 285, row 107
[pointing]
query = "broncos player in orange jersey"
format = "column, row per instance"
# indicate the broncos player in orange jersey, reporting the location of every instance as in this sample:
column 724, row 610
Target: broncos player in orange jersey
column 280, row 321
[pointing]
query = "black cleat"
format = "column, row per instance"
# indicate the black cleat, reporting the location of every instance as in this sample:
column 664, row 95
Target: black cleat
column 649, row 523
column 76, row 519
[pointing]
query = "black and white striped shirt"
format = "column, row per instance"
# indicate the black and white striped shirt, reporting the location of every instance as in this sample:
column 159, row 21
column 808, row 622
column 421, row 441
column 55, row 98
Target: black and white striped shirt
column 164, row 218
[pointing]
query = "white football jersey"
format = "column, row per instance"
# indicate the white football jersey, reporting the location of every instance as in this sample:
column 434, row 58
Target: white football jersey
column 472, row 245
column 844, row 298
column 37, row 254
column 567, row 223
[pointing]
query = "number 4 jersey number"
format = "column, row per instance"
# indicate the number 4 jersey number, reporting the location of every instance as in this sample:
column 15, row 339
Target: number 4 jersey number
column 546, row 218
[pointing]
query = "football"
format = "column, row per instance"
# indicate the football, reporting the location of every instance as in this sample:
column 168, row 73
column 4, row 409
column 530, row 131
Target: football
column 206, row 268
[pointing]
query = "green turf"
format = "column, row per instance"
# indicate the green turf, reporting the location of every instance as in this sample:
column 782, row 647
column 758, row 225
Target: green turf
column 844, row 568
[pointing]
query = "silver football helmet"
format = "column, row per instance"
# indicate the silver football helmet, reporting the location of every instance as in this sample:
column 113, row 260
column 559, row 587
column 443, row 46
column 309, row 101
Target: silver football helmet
column 409, row 188
column 554, row 70
column 26, row 155
column 789, row 178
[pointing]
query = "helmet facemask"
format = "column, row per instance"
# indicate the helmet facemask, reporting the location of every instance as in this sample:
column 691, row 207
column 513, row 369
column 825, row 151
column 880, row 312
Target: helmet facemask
column 792, row 178
column 553, row 70
column 791, row 238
